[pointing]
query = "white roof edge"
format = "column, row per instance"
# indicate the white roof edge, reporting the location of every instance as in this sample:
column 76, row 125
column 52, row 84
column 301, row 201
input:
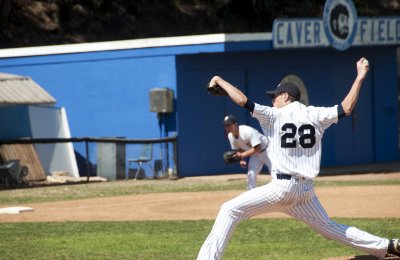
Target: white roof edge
column 133, row 44
column 246, row 37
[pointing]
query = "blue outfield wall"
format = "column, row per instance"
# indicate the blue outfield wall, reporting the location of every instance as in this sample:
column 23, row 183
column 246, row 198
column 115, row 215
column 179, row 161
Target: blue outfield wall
column 103, row 97
column 14, row 122
column 106, row 94
column 385, row 111
column 369, row 135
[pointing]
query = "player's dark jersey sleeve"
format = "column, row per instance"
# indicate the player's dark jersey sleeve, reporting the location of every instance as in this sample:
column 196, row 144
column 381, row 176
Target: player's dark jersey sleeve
column 249, row 105
column 340, row 112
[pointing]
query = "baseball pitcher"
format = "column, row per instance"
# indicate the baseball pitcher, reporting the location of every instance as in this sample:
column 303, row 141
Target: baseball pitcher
column 295, row 132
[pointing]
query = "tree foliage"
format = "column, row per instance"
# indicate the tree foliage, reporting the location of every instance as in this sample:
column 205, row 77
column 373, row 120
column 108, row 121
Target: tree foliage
column 48, row 22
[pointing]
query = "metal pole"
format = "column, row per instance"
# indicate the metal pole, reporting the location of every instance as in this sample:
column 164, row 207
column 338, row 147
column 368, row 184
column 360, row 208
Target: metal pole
column 87, row 162
column 175, row 150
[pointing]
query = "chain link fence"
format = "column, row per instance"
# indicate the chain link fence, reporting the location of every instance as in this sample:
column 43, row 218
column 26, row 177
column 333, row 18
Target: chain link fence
column 111, row 158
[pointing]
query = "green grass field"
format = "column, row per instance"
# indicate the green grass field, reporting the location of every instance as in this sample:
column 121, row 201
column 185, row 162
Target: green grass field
column 253, row 239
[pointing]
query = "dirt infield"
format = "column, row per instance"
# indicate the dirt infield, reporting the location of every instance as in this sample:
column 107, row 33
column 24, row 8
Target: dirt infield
column 347, row 201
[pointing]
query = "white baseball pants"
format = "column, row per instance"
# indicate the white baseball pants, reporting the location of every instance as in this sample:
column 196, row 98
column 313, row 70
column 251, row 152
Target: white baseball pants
column 255, row 165
column 296, row 198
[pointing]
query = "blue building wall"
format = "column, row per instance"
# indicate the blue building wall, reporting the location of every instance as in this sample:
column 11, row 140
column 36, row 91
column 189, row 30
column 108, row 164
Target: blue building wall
column 14, row 122
column 106, row 94
column 103, row 96
column 369, row 135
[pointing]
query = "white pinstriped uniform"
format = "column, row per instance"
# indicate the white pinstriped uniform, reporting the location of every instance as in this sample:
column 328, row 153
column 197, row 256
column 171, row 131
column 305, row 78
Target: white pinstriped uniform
column 248, row 138
column 299, row 130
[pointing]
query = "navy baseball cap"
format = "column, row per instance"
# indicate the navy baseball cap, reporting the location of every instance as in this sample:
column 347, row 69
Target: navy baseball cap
column 229, row 119
column 286, row 87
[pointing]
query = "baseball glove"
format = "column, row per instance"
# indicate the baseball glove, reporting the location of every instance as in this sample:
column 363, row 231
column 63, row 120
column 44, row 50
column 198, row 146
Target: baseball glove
column 216, row 90
column 230, row 157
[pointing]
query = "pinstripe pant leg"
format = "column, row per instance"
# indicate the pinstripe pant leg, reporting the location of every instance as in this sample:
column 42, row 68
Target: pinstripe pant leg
column 254, row 168
column 313, row 214
column 262, row 199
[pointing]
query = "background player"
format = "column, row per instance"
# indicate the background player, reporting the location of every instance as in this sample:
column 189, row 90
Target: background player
column 247, row 142
column 295, row 132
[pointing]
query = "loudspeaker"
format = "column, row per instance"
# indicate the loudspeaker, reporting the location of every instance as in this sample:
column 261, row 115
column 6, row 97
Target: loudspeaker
column 161, row 100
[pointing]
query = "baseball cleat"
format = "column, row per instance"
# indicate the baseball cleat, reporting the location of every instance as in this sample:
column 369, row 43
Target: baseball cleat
column 394, row 247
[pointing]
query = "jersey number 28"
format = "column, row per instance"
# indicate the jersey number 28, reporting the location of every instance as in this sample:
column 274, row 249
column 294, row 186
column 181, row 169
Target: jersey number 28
column 306, row 136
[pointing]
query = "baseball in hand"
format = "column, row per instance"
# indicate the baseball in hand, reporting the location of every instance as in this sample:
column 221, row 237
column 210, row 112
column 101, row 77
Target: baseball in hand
column 365, row 62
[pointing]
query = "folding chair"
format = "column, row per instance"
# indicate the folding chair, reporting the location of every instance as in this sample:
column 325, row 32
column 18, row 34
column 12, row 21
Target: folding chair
column 145, row 157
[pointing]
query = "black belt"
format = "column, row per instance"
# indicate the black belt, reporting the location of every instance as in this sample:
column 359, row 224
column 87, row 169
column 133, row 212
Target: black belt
column 282, row 176
column 262, row 150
